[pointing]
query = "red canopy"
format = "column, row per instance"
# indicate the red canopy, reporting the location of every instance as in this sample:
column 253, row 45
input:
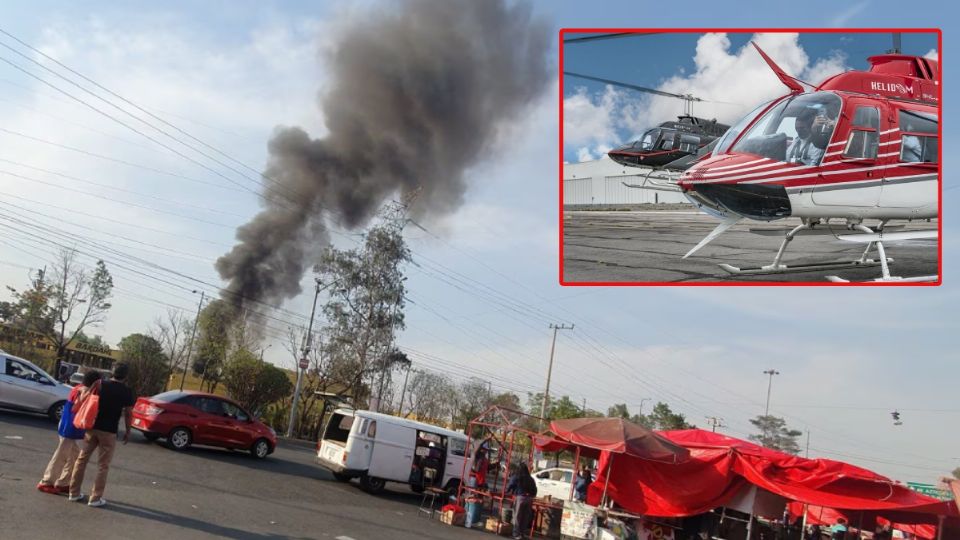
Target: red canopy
column 619, row 436
column 719, row 466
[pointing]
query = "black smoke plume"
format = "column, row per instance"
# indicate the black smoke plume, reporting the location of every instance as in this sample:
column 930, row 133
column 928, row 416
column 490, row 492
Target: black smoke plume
column 418, row 91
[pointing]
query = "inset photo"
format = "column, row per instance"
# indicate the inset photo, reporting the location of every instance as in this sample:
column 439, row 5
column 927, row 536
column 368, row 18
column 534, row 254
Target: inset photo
column 750, row 157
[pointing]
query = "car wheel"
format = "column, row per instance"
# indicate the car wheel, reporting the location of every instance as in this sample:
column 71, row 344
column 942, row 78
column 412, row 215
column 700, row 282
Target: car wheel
column 260, row 448
column 342, row 477
column 372, row 484
column 151, row 436
column 56, row 411
column 179, row 438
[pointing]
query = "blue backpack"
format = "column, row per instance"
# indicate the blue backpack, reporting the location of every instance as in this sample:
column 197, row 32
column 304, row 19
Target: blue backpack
column 66, row 429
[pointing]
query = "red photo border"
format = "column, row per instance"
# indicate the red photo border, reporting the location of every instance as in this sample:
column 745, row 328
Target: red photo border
column 564, row 31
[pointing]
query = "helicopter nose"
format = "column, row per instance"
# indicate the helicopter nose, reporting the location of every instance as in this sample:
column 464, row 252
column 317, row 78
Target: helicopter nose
column 624, row 157
column 764, row 202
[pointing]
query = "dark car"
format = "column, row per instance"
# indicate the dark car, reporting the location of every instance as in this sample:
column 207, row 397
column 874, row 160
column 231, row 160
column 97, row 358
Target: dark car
column 186, row 418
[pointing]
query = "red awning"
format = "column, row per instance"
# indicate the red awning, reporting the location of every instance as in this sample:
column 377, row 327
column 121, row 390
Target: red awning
column 619, row 436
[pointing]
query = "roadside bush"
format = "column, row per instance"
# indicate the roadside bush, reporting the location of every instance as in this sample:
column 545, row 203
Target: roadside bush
column 254, row 383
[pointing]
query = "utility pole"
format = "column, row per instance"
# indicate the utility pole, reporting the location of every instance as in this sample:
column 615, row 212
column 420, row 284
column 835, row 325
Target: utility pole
column 715, row 423
column 303, row 363
column 771, row 373
column 404, row 391
column 546, row 392
column 584, row 409
column 192, row 334
column 807, row 453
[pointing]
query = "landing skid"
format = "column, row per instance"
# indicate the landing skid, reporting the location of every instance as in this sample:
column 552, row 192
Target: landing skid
column 891, row 279
column 810, row 267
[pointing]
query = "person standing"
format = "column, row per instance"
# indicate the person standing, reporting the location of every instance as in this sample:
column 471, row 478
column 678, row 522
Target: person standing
column 524, row 489
column 584, row 479
column 116, row 399
column 56, row 478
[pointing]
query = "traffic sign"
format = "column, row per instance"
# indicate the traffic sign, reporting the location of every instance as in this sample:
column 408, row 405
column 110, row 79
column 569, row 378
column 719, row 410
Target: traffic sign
column 304, row 363
column 930, row 490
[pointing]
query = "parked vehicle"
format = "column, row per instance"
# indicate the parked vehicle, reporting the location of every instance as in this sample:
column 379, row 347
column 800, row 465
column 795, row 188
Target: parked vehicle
column 26, row 387
column 186, row 418
column 378, row 448
column 557, row 482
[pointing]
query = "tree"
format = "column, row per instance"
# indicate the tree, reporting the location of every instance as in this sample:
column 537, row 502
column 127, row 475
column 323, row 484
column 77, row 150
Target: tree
column 474, row 398
column 663, row 418
column 213, row 341
column 30, row 309
column 254, row 384
column 173, row 333
column 149, row 366
column 775, row 434
column 619, row 411
column 557, row 409
column 507, row 400
column 365, row 304
column 75, row 298
column 427, row 395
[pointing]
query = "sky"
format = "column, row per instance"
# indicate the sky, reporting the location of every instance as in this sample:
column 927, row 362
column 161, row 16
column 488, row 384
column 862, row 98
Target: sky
column 484, row 282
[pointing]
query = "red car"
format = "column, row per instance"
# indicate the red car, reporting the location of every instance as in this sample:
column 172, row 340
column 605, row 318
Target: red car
column 186, row 418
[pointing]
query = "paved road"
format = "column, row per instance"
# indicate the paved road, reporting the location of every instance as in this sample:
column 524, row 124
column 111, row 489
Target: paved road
column 154, row 492
column 648, row 245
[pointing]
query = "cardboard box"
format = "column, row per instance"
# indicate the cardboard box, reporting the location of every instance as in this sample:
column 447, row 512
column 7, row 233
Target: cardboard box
column 453, row 518
column 502, row 528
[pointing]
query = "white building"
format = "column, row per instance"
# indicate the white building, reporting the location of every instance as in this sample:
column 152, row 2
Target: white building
column 600, row 182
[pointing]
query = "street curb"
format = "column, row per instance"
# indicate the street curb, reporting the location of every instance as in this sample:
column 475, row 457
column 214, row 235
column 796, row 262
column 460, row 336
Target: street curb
column 298, row 443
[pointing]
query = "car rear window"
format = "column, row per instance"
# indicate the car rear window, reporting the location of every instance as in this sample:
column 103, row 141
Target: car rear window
column 168, row 396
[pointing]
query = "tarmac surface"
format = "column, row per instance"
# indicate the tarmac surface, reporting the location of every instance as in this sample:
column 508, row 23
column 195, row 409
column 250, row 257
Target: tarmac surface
column 648, row 246
column 154, row 492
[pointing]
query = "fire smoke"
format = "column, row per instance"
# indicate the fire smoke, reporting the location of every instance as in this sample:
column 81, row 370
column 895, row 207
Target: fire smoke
column 416, row 97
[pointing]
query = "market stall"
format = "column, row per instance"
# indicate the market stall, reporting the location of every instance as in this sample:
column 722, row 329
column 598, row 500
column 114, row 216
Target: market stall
column 606, row 439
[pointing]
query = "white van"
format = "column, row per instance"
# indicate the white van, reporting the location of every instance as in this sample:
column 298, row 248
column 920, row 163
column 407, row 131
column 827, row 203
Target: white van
column 378, row 448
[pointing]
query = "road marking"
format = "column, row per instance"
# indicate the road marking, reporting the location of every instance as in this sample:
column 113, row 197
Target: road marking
column 14, row 437
column 343, row 538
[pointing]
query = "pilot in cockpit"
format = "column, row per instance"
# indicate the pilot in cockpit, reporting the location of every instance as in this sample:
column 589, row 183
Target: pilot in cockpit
column 810, row 126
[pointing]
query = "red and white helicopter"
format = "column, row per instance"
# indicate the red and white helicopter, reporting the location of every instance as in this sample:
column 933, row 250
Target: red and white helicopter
column 861, row 146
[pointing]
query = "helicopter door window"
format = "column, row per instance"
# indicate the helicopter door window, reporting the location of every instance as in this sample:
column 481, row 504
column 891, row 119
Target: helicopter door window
column 666, row 143
column 689, row 143
column 919, row 149
column 864, row 139
column 918, row 142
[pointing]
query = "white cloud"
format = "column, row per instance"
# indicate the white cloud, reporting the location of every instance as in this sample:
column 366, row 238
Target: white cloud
column 732, row 82
column 933, row 54
column 583, row 154
column 844, row 17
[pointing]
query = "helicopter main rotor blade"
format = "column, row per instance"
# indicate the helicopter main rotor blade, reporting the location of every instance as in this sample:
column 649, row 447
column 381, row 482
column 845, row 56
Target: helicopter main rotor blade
column 632, row 86
column 607, row 36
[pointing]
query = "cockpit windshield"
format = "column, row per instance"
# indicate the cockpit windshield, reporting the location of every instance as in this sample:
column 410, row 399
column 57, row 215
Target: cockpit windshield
column 731, row 134
column 648, row 140
column 797, row 130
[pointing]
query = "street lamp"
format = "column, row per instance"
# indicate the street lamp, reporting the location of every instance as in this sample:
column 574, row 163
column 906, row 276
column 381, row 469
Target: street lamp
column 262, row 350
column 642, row 400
